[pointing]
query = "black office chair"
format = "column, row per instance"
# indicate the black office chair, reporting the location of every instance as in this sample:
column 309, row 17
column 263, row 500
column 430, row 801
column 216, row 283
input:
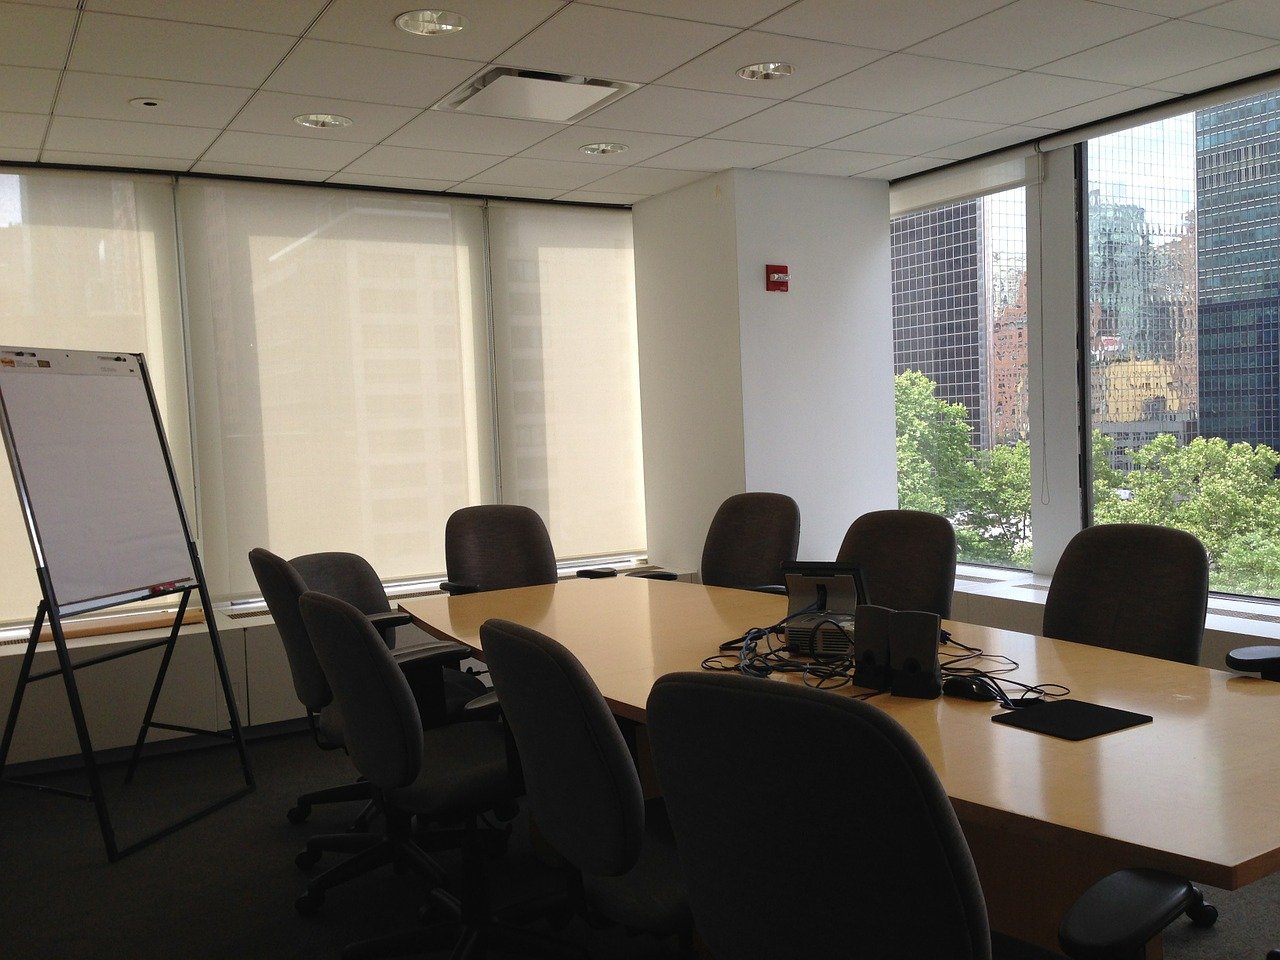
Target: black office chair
column 460, row 770
column 581, row 784
column 828, row 803
column 1132, row 587
column 494, row 547
column 750, row 537
column 908, row 559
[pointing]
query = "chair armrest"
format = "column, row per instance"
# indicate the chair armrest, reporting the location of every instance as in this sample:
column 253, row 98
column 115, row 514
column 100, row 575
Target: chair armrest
column 1120, row 913
column 655, row 575
column 392, row 618
column 457, row 589
column 1264, row 660
column 778, row 588
column 598, row 573
column 441, row 654
column 483, row 707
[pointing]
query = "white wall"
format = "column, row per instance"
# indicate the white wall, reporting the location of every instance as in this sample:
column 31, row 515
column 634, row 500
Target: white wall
column 690, row 370
column 744, row 390
column 817, row 361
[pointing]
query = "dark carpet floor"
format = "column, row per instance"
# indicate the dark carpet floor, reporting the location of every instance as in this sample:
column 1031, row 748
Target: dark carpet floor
column 223, row 888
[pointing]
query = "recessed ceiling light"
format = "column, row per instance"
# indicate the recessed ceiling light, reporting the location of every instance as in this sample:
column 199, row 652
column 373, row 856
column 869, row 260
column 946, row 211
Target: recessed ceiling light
column 322, row 121
column 145, row 103
column 432, row 23
column 603, row 149
column 770, row 70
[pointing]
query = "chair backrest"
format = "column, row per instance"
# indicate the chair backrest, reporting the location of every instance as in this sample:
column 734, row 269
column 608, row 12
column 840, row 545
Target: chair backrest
column 496, row 546
column 281, row 586
column 581, row 784
column 382, row 729
column 908, row 559
column 750, row 537
column 1132, row 587
column 824, row 801
column 347, row 576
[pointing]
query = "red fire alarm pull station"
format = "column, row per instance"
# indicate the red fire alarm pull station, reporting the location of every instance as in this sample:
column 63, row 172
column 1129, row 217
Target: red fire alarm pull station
column 777, row 279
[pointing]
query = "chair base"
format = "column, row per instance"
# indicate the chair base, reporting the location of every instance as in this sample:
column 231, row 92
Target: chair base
column 377, row 852
column 347, row 792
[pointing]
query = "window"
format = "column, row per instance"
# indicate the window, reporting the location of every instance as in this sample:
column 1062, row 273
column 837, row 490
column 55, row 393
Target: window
column 89, row 261
column 960, row 359
column 1183, row 328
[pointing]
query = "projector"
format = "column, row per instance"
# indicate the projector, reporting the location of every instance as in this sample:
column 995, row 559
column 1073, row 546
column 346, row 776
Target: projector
column 834, row 635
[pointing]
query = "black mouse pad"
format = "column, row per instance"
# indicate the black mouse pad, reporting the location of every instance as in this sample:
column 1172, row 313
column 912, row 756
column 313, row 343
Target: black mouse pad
column 1071, row 719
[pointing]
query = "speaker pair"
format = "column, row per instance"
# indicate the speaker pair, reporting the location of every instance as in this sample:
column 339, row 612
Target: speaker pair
column 897, row 650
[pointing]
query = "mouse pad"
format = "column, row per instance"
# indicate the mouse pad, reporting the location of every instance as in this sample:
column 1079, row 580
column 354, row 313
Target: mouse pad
column 1071, row 719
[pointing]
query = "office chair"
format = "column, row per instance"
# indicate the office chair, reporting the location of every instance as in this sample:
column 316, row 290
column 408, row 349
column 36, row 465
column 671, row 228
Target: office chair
column 1140, row 589
column 750, row 537
column 494, row 547
column 348, row 576
column 581, row 784
column 460, row 770
column 783, row 787
column 1132, row 587
column 908, row 559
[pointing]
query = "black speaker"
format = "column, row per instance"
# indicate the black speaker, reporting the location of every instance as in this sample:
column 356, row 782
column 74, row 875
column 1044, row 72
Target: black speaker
column 913, row 655
column 871, row 646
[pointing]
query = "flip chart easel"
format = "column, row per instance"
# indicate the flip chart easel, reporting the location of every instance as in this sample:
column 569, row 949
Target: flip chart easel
column 104, row 514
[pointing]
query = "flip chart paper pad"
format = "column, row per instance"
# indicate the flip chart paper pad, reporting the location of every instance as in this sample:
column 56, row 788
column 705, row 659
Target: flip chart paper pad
column 100, row 495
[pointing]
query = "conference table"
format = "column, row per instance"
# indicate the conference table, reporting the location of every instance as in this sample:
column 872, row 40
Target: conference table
column 1195, row 792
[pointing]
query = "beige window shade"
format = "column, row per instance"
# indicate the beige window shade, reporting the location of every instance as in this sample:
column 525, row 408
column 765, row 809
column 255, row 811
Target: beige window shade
column 340, row 369
column 965, row 181
column 567, row 377
column 89, row 262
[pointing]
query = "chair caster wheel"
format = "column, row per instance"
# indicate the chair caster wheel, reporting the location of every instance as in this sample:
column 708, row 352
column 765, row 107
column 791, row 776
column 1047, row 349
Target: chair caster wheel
column 309, row 903
column 1203, row 915
column 299, row 813
column 307, row 859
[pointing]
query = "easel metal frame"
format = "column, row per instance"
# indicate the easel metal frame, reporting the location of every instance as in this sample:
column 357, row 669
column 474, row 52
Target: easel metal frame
column 49, row 609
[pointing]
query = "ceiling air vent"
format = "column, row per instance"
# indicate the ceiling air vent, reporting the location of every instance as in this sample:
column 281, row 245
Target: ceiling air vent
column 527, row 95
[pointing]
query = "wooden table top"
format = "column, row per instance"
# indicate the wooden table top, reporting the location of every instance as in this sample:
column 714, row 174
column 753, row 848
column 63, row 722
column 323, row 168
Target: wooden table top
column 1196, row 792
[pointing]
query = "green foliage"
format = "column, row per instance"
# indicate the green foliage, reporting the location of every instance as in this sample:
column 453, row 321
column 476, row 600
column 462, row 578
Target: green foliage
column 985, row 493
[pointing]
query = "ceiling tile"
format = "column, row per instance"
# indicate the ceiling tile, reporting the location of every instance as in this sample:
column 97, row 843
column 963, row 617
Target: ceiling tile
column 1132, row 99
column 175, row 51
column 1018, row 98
column 1028, row 33
column 402, row 183
column 646, row 180
column 996, row 140
column 640, row 146
column 1228, row 71
column 903, row 83
column 503, row 190
column 690, row 113
column 832, row 163
column 522, row 172
column 905, row 168
column 1248, row 16
column 720, row 155
column 27, row 89
column 270, row 112
column 493, row 27
column 613, row 44
column 223, row 169
column 277, row 16
column 471, row 134
column 734, row 13
column 907, row 136
column 347, row 72
column 22, row 130
column 1166, row 8
column 1173, row 47
column 18, row 155
column 303, row 153
column 802, row 124
column 183, row 104
column 816, row 63
column 35, row 36
column 86, row 135
column 874, row 23
column 142, row 161
column 420, row 164
column 595, row 196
